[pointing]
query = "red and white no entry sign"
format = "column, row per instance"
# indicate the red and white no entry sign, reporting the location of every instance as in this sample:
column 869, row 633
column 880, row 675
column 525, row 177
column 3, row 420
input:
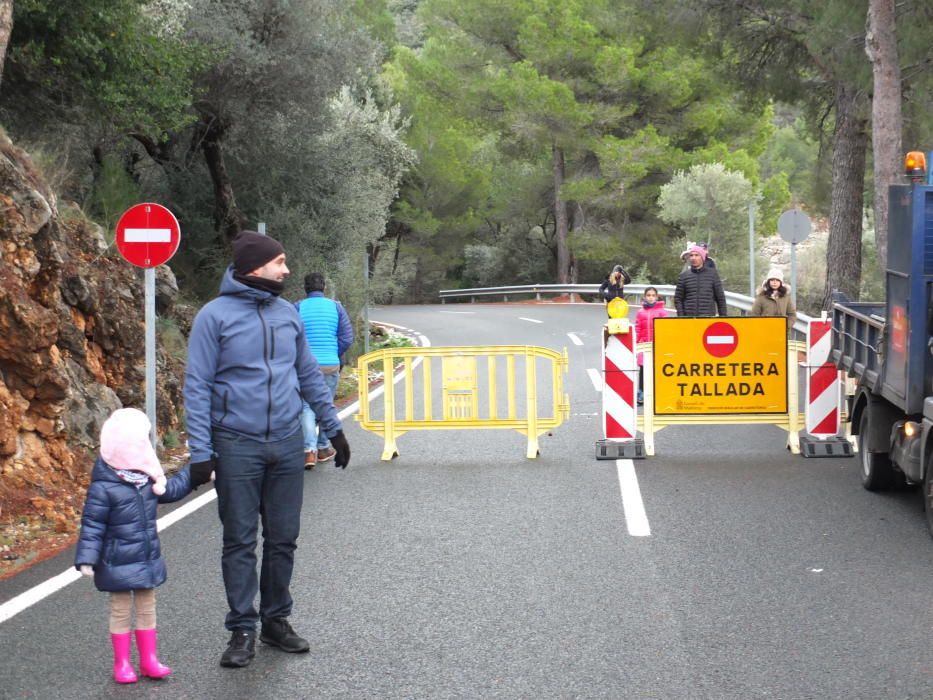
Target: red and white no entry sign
column 720, row 339
column 147, row 235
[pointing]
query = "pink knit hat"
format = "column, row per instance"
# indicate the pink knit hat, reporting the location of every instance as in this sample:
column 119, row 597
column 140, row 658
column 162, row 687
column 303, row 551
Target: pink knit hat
column 124, row 444
column 696, row 249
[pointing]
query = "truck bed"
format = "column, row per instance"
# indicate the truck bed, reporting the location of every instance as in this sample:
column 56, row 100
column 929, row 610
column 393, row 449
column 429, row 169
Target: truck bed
column 858, row 329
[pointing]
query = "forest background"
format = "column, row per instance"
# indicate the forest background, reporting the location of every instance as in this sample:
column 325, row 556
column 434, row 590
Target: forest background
column 405, row 146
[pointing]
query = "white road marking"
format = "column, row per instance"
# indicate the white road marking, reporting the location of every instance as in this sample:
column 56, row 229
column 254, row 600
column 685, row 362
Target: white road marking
column 596, row 378
column 422, row 341
column 574, row 339
column 35, row 594
column 635, row 517
column 458, row 312
column 531, row 320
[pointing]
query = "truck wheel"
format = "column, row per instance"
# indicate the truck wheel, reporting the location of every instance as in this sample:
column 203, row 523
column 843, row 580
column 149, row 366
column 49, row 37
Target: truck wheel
column 877, row 472
column 928, row 493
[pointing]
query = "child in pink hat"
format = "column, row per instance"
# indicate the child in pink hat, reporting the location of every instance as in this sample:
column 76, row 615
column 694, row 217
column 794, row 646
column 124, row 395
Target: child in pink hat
column 125, row 444
column 119, row 542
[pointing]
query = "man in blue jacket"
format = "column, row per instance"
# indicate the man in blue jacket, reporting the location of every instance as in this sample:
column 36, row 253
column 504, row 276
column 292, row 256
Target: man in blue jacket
column 248, row 370
column 329, row 333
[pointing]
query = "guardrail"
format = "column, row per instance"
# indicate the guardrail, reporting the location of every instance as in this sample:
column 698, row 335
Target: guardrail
column 634, row 292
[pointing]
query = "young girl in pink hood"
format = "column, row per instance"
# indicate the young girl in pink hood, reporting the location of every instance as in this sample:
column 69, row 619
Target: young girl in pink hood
column 651, row 308
column 119, row 543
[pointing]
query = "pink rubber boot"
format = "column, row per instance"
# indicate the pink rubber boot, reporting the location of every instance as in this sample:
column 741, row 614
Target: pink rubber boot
column 149, row 664
column 122, row 667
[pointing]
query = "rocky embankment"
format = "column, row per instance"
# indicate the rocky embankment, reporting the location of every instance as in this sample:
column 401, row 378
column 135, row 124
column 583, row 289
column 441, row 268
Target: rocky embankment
column 71, row 346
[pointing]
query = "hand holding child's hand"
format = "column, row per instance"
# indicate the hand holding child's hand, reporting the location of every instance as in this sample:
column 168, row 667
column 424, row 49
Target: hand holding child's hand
column 86, row 570
column 201, row 472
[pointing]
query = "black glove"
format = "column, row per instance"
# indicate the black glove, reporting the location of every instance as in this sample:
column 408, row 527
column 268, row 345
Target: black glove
column 201, row 472
column 340, row 444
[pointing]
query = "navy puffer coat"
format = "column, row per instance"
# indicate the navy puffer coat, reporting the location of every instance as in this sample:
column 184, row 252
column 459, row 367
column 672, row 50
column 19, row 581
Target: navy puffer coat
column 118, row 529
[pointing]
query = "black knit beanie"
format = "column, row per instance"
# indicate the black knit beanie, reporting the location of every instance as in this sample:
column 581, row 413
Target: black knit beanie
column 252, row 250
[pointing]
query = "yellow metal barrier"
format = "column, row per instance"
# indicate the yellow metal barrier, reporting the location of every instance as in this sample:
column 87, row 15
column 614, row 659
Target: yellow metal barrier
column 461, row 386
column 791, row 421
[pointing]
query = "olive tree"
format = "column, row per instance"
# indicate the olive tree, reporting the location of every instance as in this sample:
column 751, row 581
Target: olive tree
column 710, row 203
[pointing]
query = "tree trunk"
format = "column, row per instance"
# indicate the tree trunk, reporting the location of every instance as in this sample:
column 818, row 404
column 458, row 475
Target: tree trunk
column 228, row 219
column 560, row 218
column 886, row 122
column 6, row 28
column 844, row 249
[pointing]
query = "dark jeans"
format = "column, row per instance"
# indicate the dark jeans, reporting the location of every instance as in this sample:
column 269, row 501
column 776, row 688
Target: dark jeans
column 258, row 480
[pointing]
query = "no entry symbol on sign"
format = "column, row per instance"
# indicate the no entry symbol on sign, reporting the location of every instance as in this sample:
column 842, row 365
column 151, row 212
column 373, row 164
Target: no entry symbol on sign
column 147, row 235
column 720, row 339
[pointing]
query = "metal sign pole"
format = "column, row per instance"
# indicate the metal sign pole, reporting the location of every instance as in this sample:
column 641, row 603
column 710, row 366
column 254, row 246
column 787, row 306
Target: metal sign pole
column 365, row 302
column 147, row 235
column 150, row 353
column 751, row 250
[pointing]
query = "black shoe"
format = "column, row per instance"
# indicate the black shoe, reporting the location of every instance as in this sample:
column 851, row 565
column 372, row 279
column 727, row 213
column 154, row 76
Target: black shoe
column 278, row 633
column 241, row 649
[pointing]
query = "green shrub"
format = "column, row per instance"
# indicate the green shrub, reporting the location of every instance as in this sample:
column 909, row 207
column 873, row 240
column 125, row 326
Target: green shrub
column 392, row 340
column 170, row 338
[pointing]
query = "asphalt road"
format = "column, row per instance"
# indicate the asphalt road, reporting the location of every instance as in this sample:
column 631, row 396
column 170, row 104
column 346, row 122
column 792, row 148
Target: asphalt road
column 461, row 569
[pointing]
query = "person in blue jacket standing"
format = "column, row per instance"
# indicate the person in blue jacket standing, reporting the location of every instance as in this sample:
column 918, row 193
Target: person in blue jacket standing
column 329, row 333
column 119, row 542
column 248, row 370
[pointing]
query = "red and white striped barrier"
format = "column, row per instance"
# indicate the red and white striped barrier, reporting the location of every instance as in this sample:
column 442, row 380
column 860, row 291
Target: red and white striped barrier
column 620, row 376
column 824, row 385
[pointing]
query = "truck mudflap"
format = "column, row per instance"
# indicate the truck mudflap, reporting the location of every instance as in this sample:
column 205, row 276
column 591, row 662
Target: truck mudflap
column 926, row 462
column 926, row 451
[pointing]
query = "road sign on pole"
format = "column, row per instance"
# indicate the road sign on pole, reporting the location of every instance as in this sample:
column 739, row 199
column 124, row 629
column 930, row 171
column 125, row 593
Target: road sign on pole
column 148, row 235
column 794, row 226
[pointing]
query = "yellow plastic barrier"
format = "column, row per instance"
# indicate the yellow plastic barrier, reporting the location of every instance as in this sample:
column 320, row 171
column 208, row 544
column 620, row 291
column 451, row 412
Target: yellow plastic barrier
column 461, row 387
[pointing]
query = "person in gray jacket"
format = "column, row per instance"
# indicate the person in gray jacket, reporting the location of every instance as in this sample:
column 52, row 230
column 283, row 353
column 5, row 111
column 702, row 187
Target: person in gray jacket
column 248, row 370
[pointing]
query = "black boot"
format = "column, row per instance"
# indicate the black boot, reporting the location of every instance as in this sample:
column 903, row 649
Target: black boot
column 279, row 633
column 241, row 649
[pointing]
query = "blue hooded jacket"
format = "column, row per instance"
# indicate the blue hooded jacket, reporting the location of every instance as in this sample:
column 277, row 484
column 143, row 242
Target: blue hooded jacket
column 248, row 368
column 118, row 529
